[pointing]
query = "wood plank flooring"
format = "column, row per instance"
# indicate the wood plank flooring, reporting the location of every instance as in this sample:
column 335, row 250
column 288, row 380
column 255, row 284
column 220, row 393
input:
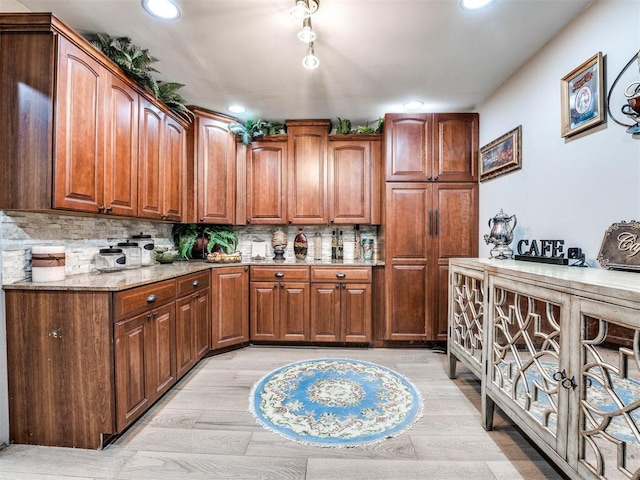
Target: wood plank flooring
column 202, row 429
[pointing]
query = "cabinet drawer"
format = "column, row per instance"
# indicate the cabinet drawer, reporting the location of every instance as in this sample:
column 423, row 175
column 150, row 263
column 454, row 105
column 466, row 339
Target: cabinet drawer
column 192, row 283
column 266, row 274
column 137, row 300
column 344, row 274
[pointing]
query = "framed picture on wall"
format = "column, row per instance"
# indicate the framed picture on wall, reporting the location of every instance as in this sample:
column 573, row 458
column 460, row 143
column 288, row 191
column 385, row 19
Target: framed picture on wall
column 582, row 94
column 502, row 155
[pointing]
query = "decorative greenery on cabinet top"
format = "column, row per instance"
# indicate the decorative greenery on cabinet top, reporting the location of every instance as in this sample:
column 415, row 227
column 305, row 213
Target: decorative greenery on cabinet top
column 136, row 63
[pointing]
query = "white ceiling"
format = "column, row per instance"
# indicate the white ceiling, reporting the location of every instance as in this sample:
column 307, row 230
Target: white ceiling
column 374, row 54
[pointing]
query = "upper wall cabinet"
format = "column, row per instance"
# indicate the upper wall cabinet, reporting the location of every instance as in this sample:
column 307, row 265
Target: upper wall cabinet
column 71, row 125
column 354, row 179
column 431, row 147
column 266, row 165
column 307, row 171
column 212, row 158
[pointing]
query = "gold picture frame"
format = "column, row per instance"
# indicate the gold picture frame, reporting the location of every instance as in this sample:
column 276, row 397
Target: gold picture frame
column 582, row 96
column 502, row 155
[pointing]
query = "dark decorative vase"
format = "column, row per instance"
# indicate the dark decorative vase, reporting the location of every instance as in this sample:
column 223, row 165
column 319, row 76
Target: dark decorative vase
column 300, row 245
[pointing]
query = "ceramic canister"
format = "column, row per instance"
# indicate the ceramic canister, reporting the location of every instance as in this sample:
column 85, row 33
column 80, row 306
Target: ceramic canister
column 47, row 263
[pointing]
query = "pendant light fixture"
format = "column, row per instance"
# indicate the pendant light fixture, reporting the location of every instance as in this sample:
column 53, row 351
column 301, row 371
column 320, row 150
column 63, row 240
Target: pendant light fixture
column 310, row 62
column 302, row 10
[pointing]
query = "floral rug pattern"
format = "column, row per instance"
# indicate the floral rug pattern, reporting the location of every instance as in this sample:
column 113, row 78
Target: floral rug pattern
column 335, row 402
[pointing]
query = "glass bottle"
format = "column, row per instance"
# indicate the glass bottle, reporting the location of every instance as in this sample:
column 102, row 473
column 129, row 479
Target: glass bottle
column 334, row 246
column 340, row 246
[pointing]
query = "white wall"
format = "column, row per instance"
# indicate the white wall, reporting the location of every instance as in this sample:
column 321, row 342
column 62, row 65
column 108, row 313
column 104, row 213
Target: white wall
column 567, row 189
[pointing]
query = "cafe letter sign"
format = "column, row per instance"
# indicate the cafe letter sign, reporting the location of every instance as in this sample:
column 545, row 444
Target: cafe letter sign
column 621, row 247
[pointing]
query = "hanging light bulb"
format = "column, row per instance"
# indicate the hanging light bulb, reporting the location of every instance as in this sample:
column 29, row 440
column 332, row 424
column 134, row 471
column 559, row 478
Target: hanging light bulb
column 301, row 10
column 307, row 35
column 310, row 62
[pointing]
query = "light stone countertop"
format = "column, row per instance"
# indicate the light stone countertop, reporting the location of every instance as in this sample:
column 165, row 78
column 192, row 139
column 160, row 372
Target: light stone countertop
column 125, row 279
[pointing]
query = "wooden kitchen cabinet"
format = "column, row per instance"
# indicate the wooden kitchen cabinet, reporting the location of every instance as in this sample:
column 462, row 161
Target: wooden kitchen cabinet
column 230, row 319
column 341, row 304
column 354, row 179
column 144, row 348
column 213, row 168
column 80, row 127
column 307, row 171
column 162, row 160
column 279, row 303
column 429, row 224
column 266, row 168
column 193, row 320
column 431, row 147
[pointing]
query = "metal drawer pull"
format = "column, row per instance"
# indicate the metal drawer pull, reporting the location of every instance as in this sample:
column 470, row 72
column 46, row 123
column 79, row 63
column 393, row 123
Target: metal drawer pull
column 151, row 298
column 279, row 275
column 195, row 283
column 340, row 275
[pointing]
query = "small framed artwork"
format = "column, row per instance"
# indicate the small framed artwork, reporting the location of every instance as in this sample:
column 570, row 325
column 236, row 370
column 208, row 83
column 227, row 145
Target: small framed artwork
column 502, row 155
column 582, row 92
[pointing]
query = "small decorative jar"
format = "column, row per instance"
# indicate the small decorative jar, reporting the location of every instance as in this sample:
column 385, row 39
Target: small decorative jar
column 148, row 256
column 317, row 247
column 110, row 260
column 133, row 254
column 300, row 245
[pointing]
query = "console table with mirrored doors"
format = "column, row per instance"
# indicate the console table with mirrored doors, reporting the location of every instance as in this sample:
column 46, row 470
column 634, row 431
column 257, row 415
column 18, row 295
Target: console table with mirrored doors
column 557, row 349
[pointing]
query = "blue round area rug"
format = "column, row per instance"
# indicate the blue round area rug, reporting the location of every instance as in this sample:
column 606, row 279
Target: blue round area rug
column 335, row 402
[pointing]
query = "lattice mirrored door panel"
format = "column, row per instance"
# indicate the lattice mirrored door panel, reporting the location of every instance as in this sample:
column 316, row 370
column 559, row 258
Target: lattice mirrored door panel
column 467, row 313
column 609, row 421
column 527, row 367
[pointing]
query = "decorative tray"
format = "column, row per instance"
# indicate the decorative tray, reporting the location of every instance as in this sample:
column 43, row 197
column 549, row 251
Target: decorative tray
column 217, row 257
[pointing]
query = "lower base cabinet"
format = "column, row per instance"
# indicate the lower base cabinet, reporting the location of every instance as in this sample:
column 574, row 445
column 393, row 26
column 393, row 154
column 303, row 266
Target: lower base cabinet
column 84, row 365
column 230, row 319
column 341, row 310
column 279, row 304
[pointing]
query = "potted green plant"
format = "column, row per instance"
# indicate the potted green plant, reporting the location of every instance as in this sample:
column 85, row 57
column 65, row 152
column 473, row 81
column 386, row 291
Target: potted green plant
column 198, row 240
column 251, row 129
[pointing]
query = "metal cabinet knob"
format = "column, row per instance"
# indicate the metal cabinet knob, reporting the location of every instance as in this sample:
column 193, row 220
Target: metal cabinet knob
column 151, row 298
column 196, row 283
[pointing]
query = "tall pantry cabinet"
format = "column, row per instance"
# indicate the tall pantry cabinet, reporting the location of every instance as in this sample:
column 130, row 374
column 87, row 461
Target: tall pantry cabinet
column 431, row 215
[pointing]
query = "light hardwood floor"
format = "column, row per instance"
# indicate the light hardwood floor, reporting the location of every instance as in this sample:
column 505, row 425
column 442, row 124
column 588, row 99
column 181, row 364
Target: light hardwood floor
column 202, row 429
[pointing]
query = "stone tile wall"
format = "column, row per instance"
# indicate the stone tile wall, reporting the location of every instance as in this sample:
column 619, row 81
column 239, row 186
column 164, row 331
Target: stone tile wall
column 84, row 236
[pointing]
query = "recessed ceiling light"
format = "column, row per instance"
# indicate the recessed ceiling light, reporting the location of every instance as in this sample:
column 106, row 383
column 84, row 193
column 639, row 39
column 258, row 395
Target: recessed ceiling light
column 475, row 4
column 236, row 109
column 413, row 105
column 163, row 9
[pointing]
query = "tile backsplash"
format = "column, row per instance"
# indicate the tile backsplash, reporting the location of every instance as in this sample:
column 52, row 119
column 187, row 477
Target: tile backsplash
column 84, row 236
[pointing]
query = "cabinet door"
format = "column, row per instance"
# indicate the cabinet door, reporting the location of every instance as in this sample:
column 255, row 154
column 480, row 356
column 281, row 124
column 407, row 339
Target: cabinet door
column 410, row 222
column 307, row 175
column 78, row 133
column 161, row 354
column 266, row 183
column 216, row 167
column 350, row 182
column 150, row 202
column 408, row 140
column 265, row 311
column 132, row 392
column 202, row 306
column 355, row 306
column 121, row 148
column 294, row 311
column 455, row 234
column 408, row 302
column 173, row 165
column 186, row 322
column 325, row 312
column 456, row 147
column 230, row 320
